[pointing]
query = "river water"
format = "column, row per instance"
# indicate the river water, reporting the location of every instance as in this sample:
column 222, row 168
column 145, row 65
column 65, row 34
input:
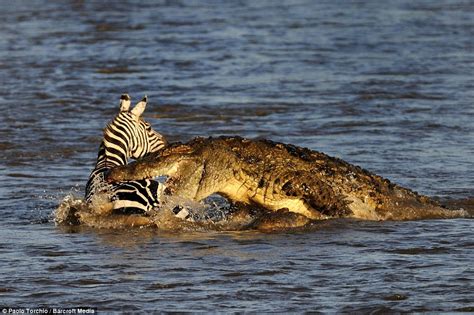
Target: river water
column 387, row 85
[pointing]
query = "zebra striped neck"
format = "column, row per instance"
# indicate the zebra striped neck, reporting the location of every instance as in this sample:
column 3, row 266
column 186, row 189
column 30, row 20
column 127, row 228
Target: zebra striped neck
column 104, row 162
column 106, row 159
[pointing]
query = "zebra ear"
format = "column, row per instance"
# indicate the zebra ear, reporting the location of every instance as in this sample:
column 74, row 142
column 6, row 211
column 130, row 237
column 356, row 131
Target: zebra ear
column 139, row 108
column 124, row 102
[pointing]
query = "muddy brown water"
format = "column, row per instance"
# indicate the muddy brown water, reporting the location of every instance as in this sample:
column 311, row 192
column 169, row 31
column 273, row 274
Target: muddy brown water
column 385, row 85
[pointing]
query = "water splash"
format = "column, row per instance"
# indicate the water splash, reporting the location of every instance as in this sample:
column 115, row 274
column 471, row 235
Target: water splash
column 212, row 216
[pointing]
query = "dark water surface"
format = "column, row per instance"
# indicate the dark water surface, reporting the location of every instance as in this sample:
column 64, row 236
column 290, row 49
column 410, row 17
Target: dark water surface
column 387, row 85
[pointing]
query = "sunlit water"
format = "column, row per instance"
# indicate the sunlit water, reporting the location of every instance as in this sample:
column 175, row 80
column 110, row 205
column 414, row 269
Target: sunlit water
column 387, row 85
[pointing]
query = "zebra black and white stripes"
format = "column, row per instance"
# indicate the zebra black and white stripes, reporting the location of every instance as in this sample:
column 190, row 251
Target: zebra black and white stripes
column 127, row 136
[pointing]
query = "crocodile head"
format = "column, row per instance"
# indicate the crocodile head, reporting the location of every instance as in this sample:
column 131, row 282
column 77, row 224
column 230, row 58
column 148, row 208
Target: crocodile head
column 164, row 163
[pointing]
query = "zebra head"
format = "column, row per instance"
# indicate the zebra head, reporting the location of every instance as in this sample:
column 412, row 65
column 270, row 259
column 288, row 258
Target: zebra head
column 129, row 135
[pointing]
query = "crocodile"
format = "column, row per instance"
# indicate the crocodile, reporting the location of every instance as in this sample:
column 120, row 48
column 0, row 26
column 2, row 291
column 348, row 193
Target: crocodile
column 278, row 176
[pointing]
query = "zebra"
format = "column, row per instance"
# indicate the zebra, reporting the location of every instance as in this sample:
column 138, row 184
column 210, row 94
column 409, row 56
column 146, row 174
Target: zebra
column 128, row 135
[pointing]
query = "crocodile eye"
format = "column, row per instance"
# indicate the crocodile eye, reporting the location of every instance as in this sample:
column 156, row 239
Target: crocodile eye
column 288, row 189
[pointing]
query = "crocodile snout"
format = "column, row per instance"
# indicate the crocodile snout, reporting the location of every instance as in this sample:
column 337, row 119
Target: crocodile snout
column 115, row 175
